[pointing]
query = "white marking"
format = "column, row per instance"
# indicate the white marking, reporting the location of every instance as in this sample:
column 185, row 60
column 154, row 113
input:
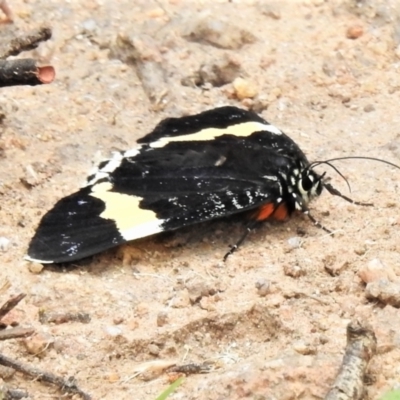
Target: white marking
column 273, row 129
column 236, row 203
column 220, row 161
column 113, row 164
column 133, row 152
column 99, row 175
column 270, row 177
column 132, row 221
column 146, row 229
column 248, row 194
column 27, row 258
column 241, row 130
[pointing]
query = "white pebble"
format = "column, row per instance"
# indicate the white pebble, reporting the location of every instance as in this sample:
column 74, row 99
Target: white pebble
column 294, row 242
column 4, row 243
column 113, row 330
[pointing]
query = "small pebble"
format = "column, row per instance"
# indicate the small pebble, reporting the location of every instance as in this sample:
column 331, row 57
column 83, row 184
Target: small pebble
column 384, row 291
column 181, row 299
column 197, row 290
column 271, row 10
column 162, row 318
column 113, row 330
column 375, row 271
column 205, row 28
column 207, row 303
column 263, row 287
column 89, row 26
column 369, row 108
column 220, row 72
column 35, row 268
column 154, row 349
column 354, row 32
column 38, row 344
column 113, row 377
column 244, row 88
column 4, row 243
column 294, row 271
column 6, row 373
column 304, row 348
column 294, row 242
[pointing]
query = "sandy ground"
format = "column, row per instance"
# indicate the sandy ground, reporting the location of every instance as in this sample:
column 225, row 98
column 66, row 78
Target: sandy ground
column 271, row 320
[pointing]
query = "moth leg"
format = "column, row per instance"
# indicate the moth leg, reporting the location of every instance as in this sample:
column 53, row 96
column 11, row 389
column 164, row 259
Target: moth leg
column 300, row 204
column 315, row 222
column 268, row 210
column 233, row 248
column 336, row 192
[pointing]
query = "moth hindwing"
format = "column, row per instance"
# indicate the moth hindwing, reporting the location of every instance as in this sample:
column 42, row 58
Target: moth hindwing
column 187, row 170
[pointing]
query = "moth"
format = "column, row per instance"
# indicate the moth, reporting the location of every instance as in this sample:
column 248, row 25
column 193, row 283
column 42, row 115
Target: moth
column 187, row 170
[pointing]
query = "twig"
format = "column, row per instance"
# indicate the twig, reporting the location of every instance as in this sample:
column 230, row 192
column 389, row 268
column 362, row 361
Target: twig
column 61, row 317
column 10, row 304
column 190, row 369
column 26, row 42
column 17, row 332
column 67, row 385
column 360, row 348
column 24, row 72
column 7, row 12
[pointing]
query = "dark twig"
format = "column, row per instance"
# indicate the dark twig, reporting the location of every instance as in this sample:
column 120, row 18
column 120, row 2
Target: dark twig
column 360, row 348
column 24, row 72
column 67, row 385
column 190, row 369
column 26, row 42
column 17, row 332
column 10, row 304
column 12, row 394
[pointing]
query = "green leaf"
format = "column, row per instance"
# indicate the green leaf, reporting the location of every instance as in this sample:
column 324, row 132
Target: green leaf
column 392, row 395
column 172, row 387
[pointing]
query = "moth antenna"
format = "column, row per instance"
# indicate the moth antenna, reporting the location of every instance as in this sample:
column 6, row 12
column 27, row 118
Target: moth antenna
column 316, row 163
column 357, row 158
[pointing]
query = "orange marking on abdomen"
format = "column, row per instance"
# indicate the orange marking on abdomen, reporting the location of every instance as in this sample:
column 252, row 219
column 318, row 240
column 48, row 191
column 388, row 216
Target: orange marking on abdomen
column 281, row 213
column 265, row 211
column 271, row 211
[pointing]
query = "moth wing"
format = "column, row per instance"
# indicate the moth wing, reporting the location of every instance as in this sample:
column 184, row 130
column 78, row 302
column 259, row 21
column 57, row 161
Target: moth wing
column 105, row 215
column 73, row 229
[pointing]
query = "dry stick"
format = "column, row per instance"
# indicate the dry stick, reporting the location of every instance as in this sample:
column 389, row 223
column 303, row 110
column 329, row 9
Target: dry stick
column 17, row 332
column 360, row 348
column 7, row 11
column 10, row 304
column 26, row 42
column 24, row 72
column 67, row 385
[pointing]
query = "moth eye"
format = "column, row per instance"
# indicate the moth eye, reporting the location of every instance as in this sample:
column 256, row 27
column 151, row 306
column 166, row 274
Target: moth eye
column 306, row 183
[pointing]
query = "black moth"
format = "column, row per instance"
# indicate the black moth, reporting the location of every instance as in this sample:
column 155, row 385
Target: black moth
column 187, row 170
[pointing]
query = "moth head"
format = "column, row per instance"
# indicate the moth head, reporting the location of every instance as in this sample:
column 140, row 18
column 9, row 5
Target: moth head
column 309, row 184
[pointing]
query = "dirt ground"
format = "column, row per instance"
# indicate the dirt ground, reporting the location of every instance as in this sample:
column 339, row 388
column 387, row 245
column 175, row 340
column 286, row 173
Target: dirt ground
column 270, row 321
